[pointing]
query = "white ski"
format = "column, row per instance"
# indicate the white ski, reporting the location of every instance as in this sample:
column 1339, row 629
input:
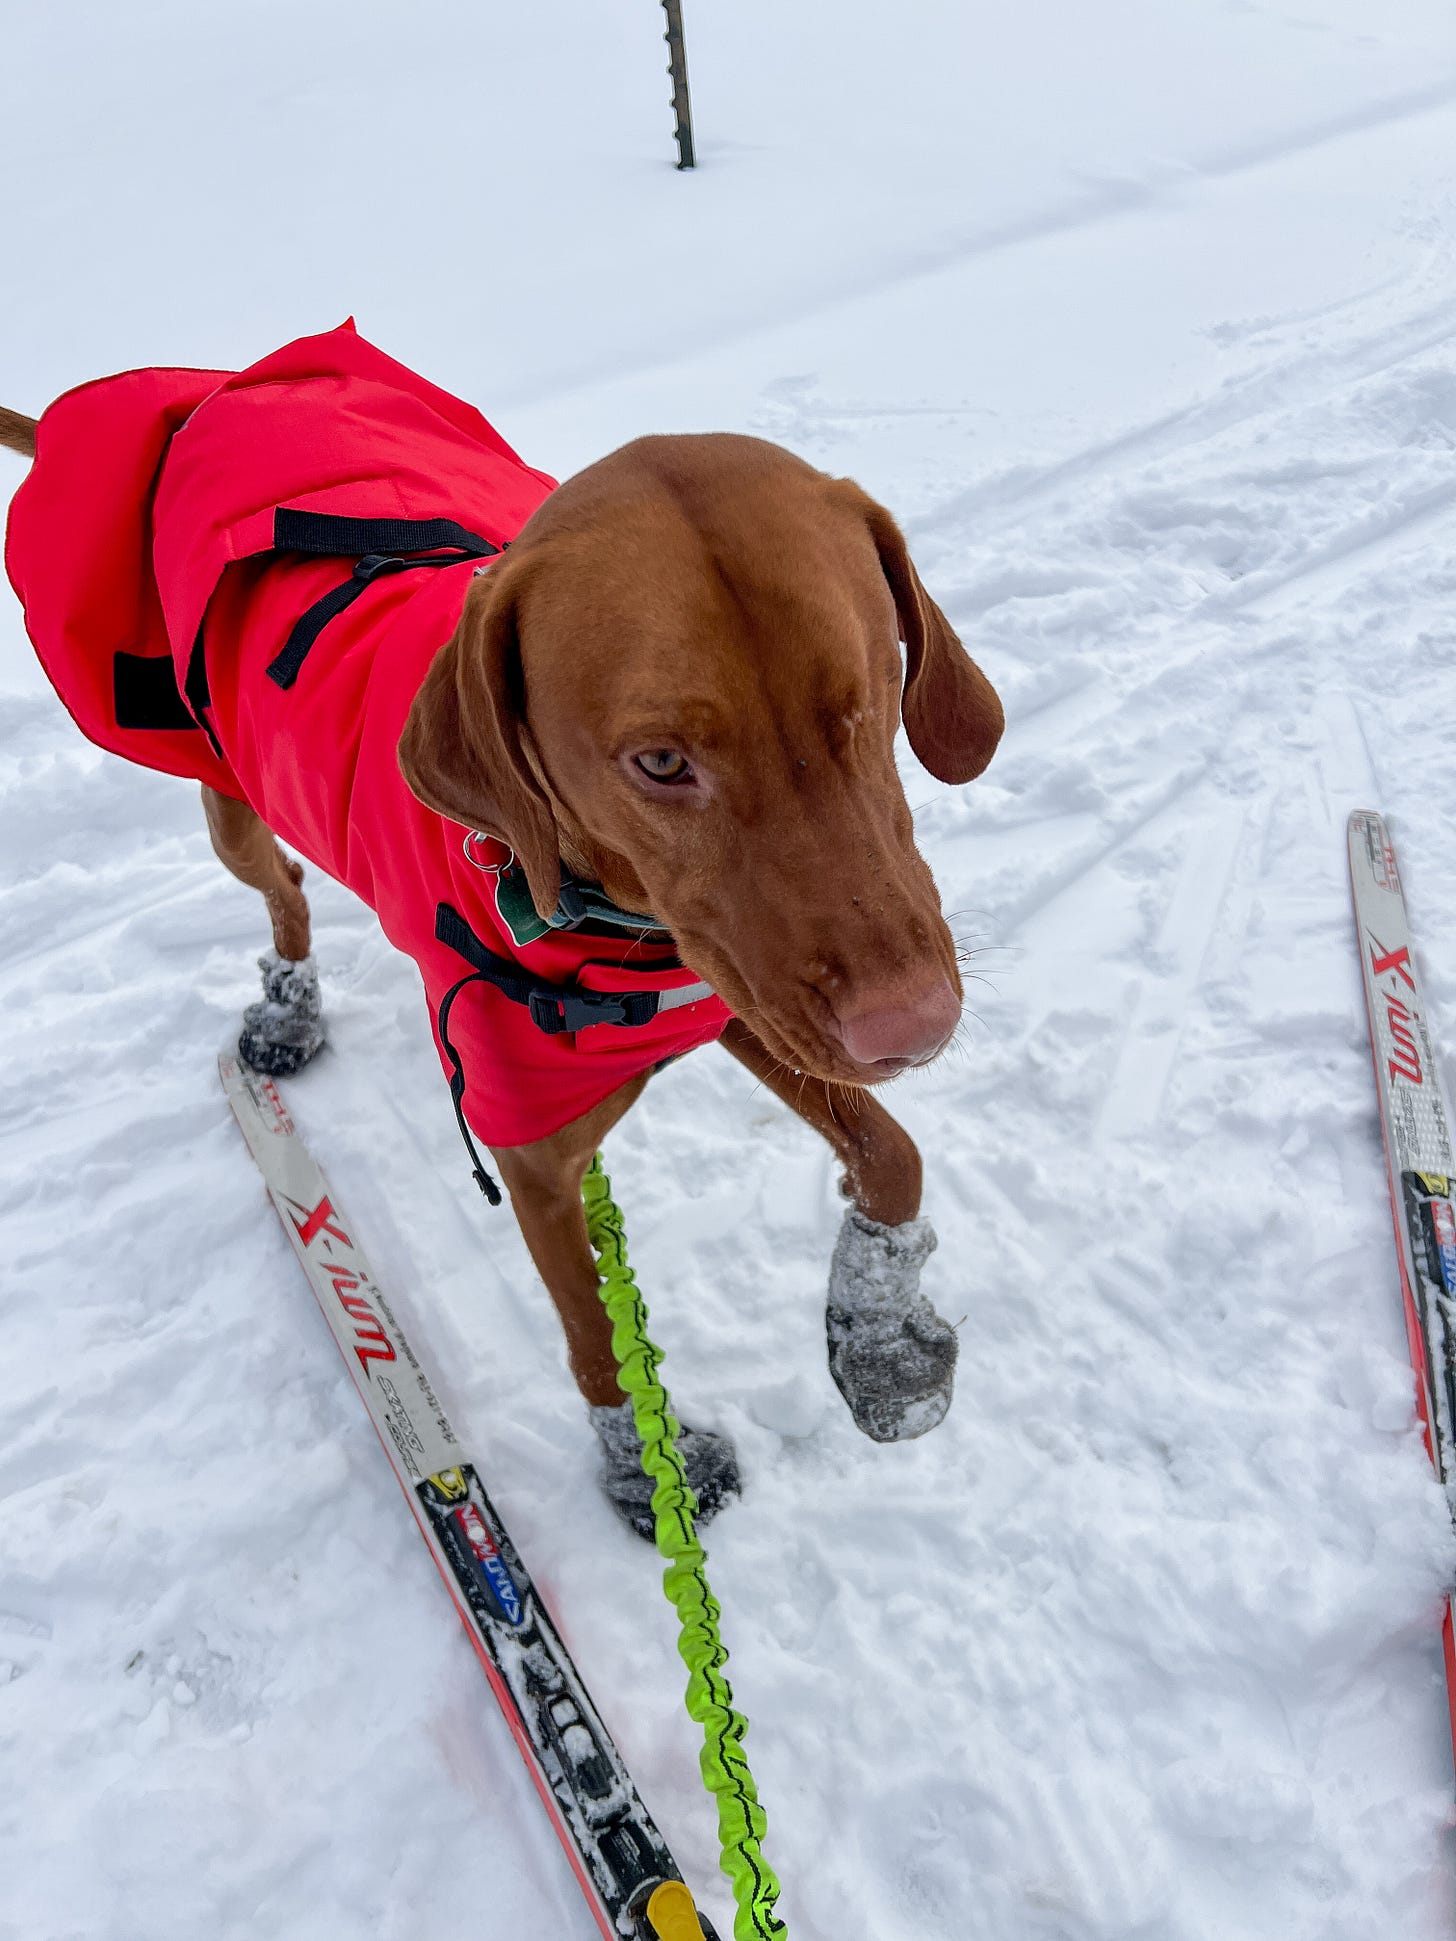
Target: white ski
column 1415, row 1120
column 620, row 1859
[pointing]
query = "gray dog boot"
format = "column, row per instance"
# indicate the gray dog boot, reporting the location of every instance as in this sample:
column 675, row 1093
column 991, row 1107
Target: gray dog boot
column 284, row 1029
column 711, row 1463
column 890, row 1353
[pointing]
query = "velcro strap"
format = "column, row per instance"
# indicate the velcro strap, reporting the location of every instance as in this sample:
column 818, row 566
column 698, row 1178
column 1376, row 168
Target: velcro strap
column 329, row 532
column 144, row 692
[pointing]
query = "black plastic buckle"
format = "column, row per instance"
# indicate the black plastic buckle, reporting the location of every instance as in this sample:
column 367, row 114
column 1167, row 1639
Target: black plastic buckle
column 369, row 566
column 557, row 1011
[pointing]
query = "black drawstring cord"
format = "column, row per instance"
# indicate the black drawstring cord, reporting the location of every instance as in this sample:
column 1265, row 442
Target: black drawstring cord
column 457, row 1087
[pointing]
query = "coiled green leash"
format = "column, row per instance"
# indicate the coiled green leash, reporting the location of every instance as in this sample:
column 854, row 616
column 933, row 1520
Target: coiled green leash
column 741, row 1820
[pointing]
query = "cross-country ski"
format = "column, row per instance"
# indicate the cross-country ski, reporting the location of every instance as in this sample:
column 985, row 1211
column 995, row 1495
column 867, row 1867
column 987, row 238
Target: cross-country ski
column 1415, row 1124
column 615, row 1851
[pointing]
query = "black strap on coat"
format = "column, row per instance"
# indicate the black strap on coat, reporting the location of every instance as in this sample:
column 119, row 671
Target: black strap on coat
column 377, row 546
column 554, row 1008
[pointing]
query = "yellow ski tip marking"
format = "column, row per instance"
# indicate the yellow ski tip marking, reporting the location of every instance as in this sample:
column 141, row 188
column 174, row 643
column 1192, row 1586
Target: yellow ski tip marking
column 672, row 1914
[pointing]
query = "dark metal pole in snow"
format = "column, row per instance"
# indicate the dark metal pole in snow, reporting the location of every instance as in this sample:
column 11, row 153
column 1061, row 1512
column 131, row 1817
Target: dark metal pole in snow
column 677, row 67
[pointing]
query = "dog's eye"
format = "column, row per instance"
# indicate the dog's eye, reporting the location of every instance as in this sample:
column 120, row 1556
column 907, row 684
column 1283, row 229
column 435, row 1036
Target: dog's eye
column 665, row 765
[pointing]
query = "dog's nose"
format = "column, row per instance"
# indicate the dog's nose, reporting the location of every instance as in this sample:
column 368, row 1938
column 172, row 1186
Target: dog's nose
column 892, row 1037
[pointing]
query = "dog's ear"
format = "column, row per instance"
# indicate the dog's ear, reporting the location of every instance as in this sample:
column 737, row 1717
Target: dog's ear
column 952, row 713
column 462, row 749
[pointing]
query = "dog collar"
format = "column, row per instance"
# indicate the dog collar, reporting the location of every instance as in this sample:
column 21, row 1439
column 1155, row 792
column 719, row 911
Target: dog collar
column 580, row 905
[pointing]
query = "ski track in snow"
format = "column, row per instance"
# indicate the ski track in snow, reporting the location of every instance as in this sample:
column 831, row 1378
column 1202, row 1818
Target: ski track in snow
column 1140, row 1645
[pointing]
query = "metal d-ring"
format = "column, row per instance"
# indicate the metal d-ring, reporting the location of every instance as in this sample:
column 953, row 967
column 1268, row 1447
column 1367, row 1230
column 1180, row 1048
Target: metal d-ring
column 473, row 836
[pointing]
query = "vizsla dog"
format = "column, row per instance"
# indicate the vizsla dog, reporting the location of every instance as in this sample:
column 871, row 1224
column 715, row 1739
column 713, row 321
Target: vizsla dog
column 676, row 693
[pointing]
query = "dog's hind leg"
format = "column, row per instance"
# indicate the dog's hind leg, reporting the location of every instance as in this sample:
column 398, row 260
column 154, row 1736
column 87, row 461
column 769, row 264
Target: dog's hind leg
column 246, row 846
column 284, row 1029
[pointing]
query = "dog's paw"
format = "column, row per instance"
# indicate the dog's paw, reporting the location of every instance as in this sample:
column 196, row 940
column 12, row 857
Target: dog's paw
column 710, row 1461
column 892, row 1357
column 285, row 1028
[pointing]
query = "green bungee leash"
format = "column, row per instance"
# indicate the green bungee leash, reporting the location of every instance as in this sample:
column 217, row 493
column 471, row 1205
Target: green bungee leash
column 741, row 1819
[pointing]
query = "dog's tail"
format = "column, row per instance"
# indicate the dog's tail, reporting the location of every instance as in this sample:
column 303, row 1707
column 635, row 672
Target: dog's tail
column 17, row 432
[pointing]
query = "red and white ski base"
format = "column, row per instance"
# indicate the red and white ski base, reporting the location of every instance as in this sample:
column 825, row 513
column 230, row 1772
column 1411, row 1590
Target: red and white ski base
column 1415, row 1120
column 615, row 1850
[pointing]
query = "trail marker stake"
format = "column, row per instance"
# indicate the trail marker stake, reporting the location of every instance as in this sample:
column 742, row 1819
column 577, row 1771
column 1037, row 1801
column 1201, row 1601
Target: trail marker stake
column 677, row 67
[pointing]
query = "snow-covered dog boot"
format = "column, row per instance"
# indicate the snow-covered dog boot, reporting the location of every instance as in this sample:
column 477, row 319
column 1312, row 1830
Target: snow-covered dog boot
column 890, row 1353
column 711, row 1463
column 285, row 1028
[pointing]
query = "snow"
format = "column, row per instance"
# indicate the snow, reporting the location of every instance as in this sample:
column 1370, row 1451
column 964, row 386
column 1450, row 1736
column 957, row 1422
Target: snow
column 1144, row 319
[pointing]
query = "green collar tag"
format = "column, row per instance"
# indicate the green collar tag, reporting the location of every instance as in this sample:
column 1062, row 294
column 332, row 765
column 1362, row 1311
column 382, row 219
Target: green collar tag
column 517, row 911
column 580, row 906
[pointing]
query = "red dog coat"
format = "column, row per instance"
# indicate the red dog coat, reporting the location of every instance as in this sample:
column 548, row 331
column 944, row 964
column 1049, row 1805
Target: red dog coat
column 243, row 578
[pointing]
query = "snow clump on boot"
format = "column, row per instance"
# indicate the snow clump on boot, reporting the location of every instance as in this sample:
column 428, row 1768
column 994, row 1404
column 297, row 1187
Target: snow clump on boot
column 285, row 1028
column 890, row 1354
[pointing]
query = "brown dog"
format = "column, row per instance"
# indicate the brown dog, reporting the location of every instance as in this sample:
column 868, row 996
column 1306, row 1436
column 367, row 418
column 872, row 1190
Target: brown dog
column 684, row 682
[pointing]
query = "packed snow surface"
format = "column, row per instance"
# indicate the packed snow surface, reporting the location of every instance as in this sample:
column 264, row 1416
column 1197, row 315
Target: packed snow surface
column 1143, row 318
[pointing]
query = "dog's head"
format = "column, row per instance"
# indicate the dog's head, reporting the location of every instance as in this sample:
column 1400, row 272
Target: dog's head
column 685, row 680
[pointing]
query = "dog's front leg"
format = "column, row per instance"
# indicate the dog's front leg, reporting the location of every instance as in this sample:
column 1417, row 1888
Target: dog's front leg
column 544, row 1182
column 881, row 1161
column 891, row 1355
